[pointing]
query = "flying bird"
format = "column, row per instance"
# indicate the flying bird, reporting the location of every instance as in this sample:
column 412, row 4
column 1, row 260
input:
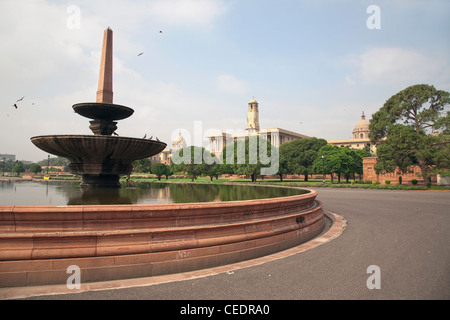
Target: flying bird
column 15, row 105
column 20, row 99
column 140, row 54
column 160, row 31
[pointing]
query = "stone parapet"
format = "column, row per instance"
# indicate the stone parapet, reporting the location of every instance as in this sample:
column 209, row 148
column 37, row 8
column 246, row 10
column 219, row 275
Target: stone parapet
column 38, row 243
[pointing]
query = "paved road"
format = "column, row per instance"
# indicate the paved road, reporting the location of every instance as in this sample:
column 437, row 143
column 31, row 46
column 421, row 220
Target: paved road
column 405, row 233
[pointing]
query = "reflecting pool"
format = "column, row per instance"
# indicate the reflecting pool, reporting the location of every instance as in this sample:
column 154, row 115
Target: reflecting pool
column 70, row 193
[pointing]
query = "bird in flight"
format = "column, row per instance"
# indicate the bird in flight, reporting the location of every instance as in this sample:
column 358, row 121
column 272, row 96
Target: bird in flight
column 160, row 31
column 20, row 99
column 140, row 54
column 15, row 105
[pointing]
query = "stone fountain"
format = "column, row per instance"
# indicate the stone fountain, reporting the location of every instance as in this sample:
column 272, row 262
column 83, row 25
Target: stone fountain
column 103, row 157
column 38, row 244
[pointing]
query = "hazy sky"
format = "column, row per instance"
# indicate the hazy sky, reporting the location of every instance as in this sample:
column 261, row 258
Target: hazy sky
column 313, row 66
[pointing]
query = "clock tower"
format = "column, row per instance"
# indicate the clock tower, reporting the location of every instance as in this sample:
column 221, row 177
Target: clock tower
column 252, row 117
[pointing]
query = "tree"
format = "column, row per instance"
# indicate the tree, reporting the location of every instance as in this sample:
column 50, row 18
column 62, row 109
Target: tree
column 18, row 168
column 35, row 168
column 412, row 128
column 159, row 169
column 142, row 165
column 55, row 161
column 297, row 156
column 339, row 160
column 250, row 158
column 193, row 160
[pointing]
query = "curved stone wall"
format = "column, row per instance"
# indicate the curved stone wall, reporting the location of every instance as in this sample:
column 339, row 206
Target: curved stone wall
column 38, row 243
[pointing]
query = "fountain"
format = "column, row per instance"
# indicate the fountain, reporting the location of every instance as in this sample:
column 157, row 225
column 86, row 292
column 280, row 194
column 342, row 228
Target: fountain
column 39, row 243
column 103, row 157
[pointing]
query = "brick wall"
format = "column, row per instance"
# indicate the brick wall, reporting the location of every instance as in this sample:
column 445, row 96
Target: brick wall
column 369, row 174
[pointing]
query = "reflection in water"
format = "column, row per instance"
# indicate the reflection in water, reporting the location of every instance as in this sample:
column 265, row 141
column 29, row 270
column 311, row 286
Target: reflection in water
column 70, row 193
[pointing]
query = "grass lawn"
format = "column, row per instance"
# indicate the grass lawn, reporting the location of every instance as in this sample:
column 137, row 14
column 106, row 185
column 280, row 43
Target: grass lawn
column 291, row 182
column 286, row 182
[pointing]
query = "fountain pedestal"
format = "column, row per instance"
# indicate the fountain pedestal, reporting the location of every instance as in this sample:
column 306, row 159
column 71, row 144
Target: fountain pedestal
column 103, row 157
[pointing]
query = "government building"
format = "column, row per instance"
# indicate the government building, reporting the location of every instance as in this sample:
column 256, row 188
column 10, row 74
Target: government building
column 276, row 136
column 360, row 137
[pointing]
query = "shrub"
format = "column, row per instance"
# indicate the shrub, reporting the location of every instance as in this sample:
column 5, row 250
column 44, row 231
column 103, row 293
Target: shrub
column 374, row 183
column 387, row 182
column 414, row 181
column 428, row 185
column 400, row 179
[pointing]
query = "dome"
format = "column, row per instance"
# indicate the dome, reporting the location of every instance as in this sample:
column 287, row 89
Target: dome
column 178, row 140
column 253, row 100
column 363, row 124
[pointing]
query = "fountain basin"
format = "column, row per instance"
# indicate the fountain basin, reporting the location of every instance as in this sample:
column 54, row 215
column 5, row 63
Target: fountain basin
column 100, row 160
column 108, row 242
column 104, row 111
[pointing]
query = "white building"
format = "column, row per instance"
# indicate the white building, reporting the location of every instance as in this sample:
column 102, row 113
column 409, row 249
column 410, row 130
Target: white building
column 360, row 137
column 276, row 136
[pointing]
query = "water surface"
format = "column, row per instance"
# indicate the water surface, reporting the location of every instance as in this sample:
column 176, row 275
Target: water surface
column 70, row 193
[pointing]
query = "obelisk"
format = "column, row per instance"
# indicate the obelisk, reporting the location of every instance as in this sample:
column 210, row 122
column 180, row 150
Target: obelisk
column 105, row 80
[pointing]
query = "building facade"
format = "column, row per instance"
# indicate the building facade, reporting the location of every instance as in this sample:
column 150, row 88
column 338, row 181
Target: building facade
column 360, row 137
column 7, row 157
column 276, row 136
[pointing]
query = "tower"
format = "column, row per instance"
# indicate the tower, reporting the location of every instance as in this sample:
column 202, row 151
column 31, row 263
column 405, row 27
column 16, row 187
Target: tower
column 105, row 80
column 252, row 117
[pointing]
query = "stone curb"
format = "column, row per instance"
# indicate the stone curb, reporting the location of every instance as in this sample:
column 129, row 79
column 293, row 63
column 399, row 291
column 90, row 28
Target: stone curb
column 336, row 229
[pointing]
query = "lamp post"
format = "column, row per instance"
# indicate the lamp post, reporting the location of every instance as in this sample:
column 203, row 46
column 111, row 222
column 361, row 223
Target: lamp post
column 48, row 163
column 323, row 168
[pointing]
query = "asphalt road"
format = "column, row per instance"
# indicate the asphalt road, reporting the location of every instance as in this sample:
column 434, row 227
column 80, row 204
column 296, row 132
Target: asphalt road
column 405, row 233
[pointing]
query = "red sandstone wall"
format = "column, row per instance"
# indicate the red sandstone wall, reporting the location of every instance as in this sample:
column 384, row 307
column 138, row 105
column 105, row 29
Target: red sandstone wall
column 370, row 174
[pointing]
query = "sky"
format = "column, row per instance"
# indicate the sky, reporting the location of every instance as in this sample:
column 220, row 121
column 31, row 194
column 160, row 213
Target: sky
column 313, row 66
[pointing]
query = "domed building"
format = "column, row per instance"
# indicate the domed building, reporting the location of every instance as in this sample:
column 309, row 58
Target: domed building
column 362, row 130
column 360, row 137
column 166, row 155
column 178, row 143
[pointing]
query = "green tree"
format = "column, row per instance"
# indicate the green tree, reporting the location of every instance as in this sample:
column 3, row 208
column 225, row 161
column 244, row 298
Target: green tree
column 193, row 160
column 142, row 165
column 297, row 156
column 412, row 128
column 54, row 161
column 159, row 169
column 251, row 156
column 18, row 168
column 338, row 160
column 35, row 168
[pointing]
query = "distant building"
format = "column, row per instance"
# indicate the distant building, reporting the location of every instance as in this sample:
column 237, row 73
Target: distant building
column 360, row 137
column 276, row 136
column 7, row 157
column 166, row 155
